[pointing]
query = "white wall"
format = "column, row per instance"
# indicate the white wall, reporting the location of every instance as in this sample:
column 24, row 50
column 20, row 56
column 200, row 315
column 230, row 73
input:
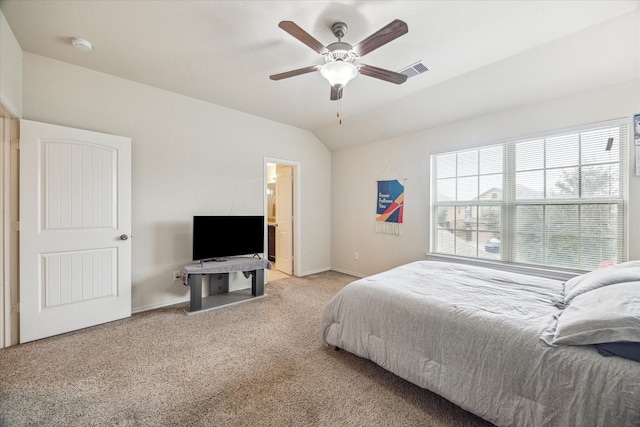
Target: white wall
column 356, row 170
column 10, row 69
column 188, row 157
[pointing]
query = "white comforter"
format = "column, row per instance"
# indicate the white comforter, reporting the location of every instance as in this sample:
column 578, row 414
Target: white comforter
column 472, row 335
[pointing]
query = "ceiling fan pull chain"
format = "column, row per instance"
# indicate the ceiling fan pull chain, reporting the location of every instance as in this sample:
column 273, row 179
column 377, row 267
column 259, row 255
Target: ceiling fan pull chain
column 339, row 111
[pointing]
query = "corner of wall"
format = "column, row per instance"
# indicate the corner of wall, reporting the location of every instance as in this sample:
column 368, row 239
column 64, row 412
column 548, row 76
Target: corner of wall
column 10, row 71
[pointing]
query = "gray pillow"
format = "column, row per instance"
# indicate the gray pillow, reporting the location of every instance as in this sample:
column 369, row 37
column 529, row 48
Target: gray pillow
column 625, row 272
column 603, row 315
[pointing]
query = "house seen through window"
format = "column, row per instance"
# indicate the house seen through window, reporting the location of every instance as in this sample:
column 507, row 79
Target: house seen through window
column 555, row 201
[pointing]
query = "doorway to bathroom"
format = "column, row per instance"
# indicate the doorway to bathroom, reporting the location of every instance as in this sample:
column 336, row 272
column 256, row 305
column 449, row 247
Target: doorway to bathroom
column 281, row 182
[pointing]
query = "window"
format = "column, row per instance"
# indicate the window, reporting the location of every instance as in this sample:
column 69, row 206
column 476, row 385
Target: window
column 557, row 201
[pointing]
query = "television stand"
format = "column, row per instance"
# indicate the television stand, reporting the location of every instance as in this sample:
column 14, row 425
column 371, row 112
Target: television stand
column 218, row 272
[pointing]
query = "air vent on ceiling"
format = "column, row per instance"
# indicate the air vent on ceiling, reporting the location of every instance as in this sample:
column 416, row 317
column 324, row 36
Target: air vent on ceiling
column 414, row 69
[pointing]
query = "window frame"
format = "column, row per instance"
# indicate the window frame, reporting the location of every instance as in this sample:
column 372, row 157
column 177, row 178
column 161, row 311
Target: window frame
column 509, row 202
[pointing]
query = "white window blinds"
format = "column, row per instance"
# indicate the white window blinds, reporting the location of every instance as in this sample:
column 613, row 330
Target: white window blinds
column 557, row 201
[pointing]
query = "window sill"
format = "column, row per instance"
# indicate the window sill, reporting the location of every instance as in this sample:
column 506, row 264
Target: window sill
column 549, row 273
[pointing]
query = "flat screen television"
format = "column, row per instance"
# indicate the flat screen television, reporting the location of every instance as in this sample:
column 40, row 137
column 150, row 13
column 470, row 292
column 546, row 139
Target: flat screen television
column 218, row 237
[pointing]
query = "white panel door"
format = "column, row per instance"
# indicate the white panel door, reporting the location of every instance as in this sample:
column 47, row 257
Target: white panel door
column 284, row 218
column 75, row 221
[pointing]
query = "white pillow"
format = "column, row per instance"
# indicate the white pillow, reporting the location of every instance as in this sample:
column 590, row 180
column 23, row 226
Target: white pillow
column 625, row 272
column 603, row 315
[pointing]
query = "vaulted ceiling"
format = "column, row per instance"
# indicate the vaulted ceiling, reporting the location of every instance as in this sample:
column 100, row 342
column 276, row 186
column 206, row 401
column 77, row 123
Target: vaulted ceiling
column 482, row 56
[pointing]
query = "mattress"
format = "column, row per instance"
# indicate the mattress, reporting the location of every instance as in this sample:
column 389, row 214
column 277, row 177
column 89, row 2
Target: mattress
column 473, row 336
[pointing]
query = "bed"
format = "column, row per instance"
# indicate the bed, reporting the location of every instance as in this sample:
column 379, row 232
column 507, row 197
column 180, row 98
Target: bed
column 496, row 343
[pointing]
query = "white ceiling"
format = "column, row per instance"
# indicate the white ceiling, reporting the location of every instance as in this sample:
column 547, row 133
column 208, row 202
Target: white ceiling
column 224, row 51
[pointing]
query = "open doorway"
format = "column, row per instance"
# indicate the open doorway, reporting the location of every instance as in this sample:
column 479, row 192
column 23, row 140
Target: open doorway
column 281, row 189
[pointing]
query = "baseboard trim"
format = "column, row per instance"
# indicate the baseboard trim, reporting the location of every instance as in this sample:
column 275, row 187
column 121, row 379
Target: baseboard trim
column 160, row 305
column 308, row 273
column 350, row 273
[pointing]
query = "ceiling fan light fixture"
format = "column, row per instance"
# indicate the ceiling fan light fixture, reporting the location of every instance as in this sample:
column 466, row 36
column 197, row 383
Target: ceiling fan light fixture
column 339, row 73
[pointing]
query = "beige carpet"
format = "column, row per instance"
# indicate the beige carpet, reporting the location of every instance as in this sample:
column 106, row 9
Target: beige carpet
column 259, row 363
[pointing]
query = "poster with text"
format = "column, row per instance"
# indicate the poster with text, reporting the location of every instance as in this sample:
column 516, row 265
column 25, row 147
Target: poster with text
column 390, row 207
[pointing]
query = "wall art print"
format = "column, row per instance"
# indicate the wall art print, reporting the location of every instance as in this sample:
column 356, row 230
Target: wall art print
column 390, row 207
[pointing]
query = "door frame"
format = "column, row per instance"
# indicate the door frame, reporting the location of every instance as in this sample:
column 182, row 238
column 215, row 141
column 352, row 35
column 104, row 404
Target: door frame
column 8, row 217
column 296, row 207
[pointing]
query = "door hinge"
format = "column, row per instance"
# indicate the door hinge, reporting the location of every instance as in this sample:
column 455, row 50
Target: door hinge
column 15, row 226
column 15, row 144
column 15, row 307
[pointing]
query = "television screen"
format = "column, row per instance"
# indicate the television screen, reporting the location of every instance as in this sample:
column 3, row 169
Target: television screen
column 225, row 236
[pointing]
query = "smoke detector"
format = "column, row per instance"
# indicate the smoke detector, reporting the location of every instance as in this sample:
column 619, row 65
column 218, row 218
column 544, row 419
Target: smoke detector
column 82, row 44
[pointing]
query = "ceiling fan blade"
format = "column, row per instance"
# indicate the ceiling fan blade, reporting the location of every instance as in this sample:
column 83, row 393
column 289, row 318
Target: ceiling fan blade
column 382, row 74
column 381, row 37
column 306, row 38
column 293, row 73
column 336, row 94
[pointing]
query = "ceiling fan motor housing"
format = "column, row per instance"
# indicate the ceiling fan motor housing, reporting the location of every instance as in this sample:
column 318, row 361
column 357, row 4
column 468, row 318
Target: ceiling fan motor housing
column 340, row 51
column 339, row 29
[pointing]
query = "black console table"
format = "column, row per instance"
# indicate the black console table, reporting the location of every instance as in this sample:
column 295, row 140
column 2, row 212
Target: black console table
column 218, row 272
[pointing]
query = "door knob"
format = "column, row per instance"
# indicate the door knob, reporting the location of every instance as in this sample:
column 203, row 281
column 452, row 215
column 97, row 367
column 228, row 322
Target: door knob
column 124, row 237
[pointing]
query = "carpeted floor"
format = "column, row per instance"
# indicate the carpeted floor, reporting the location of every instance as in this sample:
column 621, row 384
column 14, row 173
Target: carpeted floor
column 260, row 363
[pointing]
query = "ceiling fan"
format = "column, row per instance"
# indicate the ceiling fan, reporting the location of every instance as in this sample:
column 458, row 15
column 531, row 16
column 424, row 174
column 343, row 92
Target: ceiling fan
column 339, row 57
